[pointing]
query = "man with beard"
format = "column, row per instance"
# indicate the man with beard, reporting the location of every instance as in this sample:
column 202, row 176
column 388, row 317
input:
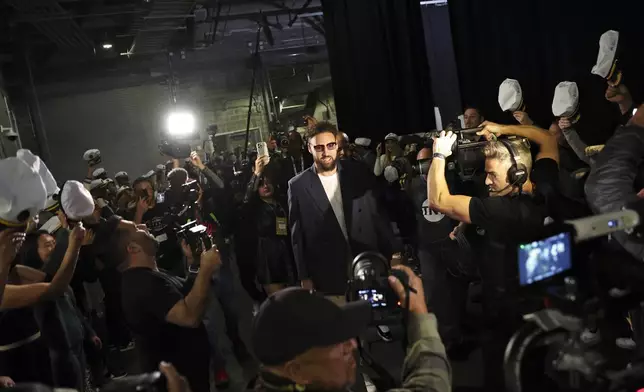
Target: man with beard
column 333, row 215
column 164, row 313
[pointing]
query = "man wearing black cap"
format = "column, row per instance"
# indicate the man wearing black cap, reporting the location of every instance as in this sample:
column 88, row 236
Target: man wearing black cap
column 306, row 342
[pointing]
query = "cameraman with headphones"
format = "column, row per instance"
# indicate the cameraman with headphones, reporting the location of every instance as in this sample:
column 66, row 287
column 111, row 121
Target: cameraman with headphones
column 523, row 197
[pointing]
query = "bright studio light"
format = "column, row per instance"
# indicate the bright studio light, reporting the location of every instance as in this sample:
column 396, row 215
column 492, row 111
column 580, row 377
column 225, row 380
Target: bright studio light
column 181, row 123
column 107, row 46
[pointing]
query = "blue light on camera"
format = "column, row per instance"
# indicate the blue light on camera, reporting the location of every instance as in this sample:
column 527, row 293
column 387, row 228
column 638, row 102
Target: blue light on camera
column 613, row 223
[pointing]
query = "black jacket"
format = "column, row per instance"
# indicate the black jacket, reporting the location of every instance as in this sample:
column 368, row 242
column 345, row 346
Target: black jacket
column 610, row 185
column 320, row 249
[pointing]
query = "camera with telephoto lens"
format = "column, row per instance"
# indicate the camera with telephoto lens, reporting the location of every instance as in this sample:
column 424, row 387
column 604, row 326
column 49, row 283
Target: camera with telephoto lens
column 369, row 282
column 585, row 284
column 174, row 149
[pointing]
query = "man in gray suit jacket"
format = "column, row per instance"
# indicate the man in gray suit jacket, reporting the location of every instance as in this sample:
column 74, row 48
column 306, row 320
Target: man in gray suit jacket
column 334, row 215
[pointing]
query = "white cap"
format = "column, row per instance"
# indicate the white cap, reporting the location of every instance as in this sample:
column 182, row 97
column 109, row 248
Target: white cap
column 607, row 52
column 39, row 166
column 121, row 174
column 91, row 155
column 391, row 174
column 363, row 141
column 22, row 192
column 346, row 137
column 97, row 183
column 99, row 172
column 76, row 201
column 391, row 136
column 510, row 95
column 566, row 100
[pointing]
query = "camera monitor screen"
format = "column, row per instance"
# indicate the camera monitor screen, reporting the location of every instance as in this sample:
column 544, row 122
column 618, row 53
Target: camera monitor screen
column 543, row 259
column 376, row 298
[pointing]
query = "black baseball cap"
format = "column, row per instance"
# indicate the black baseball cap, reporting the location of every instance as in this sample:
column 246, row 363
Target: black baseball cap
column 294, row 320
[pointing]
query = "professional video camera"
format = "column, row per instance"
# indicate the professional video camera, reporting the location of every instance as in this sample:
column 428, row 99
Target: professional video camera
column 584, row 284
column 174, row 149
column 467, row 157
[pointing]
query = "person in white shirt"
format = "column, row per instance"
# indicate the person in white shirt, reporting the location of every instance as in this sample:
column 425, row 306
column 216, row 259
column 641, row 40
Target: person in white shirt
column 392, row 151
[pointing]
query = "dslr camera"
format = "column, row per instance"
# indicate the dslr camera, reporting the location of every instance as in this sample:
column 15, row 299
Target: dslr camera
column 369, row 282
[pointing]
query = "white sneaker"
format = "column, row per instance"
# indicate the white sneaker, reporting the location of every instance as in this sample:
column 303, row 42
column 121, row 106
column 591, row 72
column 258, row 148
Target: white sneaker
column 371, row 387
column 625, row 343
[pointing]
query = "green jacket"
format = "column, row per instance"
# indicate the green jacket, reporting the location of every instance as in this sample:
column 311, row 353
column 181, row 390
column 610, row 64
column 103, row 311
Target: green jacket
column 425, row 368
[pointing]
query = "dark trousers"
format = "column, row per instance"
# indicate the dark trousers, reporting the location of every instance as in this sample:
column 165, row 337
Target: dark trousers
column 27, row 364
column 444, row 293
column 67, row 369
column 226, row 290
column 115, row 321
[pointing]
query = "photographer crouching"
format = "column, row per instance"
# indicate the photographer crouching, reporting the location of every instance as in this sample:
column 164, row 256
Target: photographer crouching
column 306, row 342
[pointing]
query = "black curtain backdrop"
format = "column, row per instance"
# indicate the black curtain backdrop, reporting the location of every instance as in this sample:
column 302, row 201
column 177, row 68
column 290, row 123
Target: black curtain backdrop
column 442, row 63
column 379, row 67
column 541, row 43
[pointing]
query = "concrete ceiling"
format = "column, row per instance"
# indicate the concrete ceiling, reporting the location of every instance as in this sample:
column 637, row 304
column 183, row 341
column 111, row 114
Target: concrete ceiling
column 65, row 38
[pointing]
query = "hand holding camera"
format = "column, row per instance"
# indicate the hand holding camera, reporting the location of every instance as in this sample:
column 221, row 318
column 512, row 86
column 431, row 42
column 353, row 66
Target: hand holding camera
column 416, row 292
column 210, row 260
column 196, row 160
column 444, row 142
column 491, row 130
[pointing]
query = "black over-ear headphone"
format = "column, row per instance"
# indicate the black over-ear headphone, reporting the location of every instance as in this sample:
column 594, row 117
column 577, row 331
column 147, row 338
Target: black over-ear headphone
column 518, row 172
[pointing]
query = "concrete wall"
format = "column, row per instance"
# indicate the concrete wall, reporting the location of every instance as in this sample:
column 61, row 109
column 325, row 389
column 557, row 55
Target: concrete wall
column 127, row 125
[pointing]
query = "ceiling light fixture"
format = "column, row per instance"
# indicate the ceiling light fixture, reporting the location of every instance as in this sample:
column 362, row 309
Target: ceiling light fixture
column 107, row 46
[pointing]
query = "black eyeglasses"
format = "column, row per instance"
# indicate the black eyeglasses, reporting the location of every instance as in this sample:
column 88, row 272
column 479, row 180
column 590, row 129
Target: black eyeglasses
column 329, row 146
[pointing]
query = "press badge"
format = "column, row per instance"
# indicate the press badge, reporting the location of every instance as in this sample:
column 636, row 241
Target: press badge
column 281, row 226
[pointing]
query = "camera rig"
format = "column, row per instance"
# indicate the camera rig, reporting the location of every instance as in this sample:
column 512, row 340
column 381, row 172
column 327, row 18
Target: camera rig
column 583, row 289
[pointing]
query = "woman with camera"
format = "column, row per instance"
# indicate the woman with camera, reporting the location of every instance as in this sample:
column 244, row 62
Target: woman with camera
column 268, row 220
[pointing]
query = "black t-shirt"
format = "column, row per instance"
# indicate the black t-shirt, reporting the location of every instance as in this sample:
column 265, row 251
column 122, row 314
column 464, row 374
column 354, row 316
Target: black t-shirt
column 147, row 298
column 431, row 226
column 507, row 221
column 520, row 217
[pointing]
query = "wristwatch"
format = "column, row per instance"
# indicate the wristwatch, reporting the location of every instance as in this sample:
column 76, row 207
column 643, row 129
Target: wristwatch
column 439, row 155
